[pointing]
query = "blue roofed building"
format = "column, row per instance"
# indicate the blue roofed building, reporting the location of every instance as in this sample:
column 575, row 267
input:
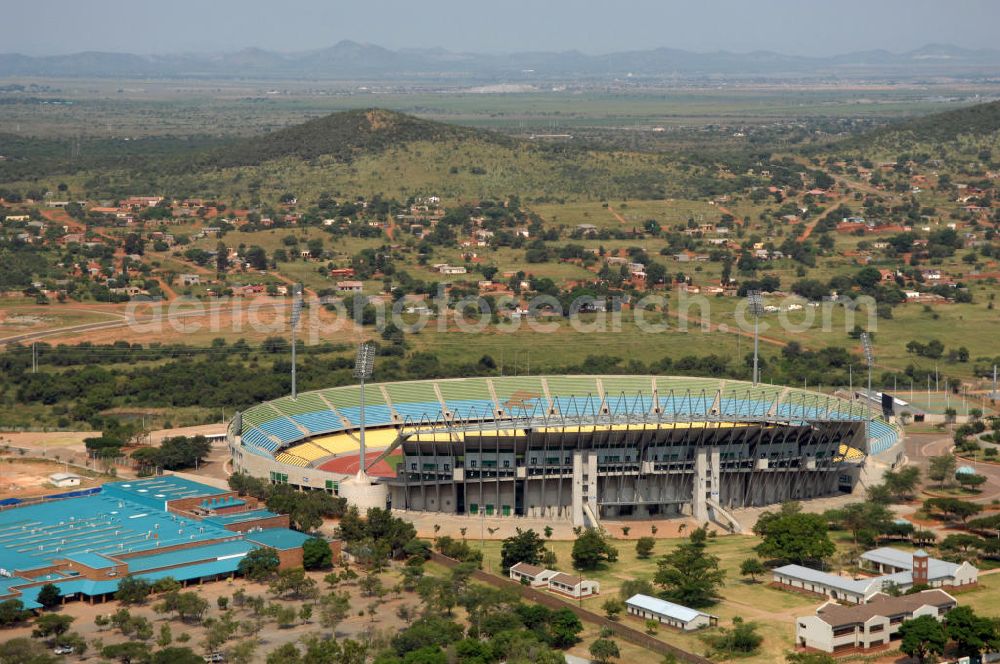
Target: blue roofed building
column 149, row 528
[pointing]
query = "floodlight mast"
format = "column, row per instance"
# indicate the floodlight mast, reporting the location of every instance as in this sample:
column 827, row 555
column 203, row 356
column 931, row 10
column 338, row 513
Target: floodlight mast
column 756, row 302
column 364, row 364
column 296, row 315
column 866, row 344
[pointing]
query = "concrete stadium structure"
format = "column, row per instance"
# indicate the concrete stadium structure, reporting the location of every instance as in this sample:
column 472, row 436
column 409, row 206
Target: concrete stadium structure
column 579, row 448
column 85, row 542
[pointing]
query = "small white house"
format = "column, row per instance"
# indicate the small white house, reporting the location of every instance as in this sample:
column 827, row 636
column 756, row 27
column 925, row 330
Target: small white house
column 533, row 575
column 574, row 586
column 668, row 613
column 63, row 480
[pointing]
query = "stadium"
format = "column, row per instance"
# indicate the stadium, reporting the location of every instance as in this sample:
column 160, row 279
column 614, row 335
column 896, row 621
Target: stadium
column 84, row 542
column 576, row 448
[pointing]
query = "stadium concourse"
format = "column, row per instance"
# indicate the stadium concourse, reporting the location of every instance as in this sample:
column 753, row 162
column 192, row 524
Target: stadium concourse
column 151, row 528
column 578, row 448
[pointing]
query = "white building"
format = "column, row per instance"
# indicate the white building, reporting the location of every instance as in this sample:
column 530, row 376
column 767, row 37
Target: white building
column 836, row 628
column 63, row 480
column 668, row 613
column 533, row 575
column 898, row 568
column 574, row 586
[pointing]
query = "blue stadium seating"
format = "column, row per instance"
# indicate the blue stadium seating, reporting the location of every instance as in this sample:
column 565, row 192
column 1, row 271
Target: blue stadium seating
column 471, row 409
column 374, row 415
column 320, row 422
column 282, row 428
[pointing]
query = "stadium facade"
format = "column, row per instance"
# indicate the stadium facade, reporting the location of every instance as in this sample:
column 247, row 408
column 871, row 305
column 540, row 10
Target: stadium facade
column 578, row 448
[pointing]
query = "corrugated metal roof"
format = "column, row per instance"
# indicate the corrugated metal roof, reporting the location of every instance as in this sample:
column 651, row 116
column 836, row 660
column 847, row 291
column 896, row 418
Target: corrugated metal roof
column 664, row 608
column 859, row 587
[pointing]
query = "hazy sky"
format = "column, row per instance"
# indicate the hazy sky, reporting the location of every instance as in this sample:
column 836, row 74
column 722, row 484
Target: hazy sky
column 807, row 27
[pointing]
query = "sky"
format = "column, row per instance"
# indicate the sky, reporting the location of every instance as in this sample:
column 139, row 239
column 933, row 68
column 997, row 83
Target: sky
column 798, row 27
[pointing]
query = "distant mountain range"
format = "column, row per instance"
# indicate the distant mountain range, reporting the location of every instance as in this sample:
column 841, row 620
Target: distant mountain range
column 349, row 60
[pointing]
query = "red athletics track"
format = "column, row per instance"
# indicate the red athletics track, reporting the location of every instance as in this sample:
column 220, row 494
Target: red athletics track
column 348, row 465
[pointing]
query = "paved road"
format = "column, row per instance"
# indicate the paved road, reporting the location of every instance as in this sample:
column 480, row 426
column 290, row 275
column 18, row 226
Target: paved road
column 921, row 446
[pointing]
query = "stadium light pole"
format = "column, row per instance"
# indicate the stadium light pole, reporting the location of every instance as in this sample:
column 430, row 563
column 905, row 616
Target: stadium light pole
column 364, row 364
column 756, row 303
column 296, row 315
column 866, row 344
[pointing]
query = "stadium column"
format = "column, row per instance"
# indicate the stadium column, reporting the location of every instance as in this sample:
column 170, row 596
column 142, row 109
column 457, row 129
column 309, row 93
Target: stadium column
column 580, row 467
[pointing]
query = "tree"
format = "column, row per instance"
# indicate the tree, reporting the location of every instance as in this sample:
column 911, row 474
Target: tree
column 189, row 606
column 752, row 567
column 613, row 607
column 941, row 468
column 741, row 639
column 591, row 550
column 128, row 652
column 259, row 565
column 525, row 546
column 25, row 651
column 972, row 634
column 12, row 612
column 316, row 554
column 792, row 535
column 564, row 627
column 970, row 480
column 922, row 636
column 902, row 483
column 689, row 575
column 630, row 587
column 333, row 608
column 644, row 547
column 49, row 596
column 51, row 625
column 294, row 584
column 604, row 650
column 132, row 590
column 176, row 656
column 868, row 517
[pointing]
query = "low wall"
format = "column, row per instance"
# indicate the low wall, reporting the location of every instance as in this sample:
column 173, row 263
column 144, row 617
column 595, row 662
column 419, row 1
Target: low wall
column 626, row 633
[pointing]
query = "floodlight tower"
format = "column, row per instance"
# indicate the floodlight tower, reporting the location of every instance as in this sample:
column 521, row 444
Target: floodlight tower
column 364, row 364
column 756, row 302
column 296, row 315
column 866, row 344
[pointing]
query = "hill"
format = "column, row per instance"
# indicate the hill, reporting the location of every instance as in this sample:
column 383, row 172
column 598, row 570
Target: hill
column 978, row 121
column 343, row 137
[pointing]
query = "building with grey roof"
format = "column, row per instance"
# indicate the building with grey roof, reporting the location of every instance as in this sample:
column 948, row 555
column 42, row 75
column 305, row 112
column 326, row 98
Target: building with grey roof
column 668, row 613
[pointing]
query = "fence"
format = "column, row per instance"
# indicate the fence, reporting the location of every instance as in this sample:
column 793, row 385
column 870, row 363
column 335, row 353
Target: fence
column 626, row 633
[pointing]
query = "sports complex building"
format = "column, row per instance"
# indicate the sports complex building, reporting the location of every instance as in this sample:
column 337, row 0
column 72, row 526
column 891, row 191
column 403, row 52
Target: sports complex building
column 579, row 448
column 84, row 542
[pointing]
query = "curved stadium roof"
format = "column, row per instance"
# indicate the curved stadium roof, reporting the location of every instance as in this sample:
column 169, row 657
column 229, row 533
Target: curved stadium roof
column 274, row 425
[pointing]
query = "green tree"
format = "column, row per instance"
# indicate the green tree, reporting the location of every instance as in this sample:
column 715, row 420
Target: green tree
column 922, row 636
column 525, row 546
column 690, row 575
column 591, row 549
column 902, row 483
column 259, row 565
column 613, row 608
column 49, row 596
column 792, row 535
column 316, row 554
column 132, row 590
column 741, row 639
column 941, row 468
column 604, row 650
column 293, row 583
column 753, row 568
column 176, row 655
column 644, row 547
column 973, row 634
column 25, row 651
column 51, row 625
column 12, row 612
